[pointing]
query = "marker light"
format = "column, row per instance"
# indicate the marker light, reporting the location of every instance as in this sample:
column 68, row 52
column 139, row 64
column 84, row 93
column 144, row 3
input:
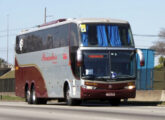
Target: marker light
column 141, row 57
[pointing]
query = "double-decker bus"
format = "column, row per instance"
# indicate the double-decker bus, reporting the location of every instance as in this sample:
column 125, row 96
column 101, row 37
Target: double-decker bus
column 75, row 60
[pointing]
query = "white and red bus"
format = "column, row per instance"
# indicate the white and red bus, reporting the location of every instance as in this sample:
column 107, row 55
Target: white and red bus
column 75, row 60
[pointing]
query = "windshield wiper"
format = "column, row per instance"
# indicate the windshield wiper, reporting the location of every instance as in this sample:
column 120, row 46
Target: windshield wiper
column 126, row 77
column 96, row 77
column 103, row 77
column 88, row 77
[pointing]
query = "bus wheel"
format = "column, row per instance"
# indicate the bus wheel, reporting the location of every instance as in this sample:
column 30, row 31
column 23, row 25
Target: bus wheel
column 69, row 100
column 115, row 102
column 33, row 96
column 27, row 95
column 34, row 99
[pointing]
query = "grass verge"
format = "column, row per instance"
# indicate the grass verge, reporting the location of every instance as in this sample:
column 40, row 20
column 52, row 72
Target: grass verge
column 10, row 98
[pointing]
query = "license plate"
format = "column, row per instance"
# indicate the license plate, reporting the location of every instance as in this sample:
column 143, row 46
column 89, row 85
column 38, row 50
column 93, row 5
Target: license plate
column 110, row 94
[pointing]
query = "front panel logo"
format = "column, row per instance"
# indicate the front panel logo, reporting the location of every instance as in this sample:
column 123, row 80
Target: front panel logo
column 113, row 75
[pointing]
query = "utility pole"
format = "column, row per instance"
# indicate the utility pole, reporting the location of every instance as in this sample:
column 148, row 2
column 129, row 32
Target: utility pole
column 45, row 15
column 7, row 36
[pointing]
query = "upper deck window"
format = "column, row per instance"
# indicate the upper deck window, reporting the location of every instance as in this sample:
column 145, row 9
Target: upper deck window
column 104, row 35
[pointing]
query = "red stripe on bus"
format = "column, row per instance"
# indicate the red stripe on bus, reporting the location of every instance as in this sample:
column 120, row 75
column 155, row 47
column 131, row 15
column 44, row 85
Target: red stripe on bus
column 29, row 75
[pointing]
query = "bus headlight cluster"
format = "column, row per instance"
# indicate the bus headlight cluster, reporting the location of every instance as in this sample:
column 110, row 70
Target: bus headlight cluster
column 89, row 87
column 130, row 87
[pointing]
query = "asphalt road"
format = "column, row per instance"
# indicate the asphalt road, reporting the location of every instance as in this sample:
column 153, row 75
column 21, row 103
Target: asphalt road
column 23, row 111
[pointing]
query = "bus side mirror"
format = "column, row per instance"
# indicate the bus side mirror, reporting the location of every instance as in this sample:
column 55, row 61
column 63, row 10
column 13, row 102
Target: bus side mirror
column 79, row 58
column 141, row 57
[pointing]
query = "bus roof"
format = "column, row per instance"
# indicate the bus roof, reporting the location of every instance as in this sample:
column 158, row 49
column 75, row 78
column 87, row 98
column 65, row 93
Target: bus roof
column 73, row 20
column 99, row 20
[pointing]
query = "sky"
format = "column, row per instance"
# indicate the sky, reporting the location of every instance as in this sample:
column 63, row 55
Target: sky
column 145, row 17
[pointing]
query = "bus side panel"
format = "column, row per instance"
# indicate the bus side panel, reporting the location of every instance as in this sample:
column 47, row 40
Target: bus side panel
column 29, row 75
column 19, row 82
column 48, row 70
column 33, row 76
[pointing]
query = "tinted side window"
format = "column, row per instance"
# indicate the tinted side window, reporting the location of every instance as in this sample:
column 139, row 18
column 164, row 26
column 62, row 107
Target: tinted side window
column 43, row 39
column 17, row 48
column 56, row 40
column 73, row 49
column 74, row 35
column 20, row 44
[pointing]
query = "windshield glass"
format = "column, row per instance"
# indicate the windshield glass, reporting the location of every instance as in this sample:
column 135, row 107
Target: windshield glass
column 122, row 64
column 96, row 64
column 109, row 65
column 104, row 35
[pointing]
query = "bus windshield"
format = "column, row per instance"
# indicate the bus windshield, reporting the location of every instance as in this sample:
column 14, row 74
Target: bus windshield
column 106, row 35
column 109, row 65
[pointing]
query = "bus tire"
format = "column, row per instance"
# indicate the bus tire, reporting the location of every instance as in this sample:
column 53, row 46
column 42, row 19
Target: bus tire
column 29, row 99
column 34, row 99
column 33, row 95
column 70, row 101
column 115, row 102
column 27, row 95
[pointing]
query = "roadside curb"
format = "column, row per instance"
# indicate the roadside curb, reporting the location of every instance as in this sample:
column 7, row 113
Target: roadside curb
column 149, row 96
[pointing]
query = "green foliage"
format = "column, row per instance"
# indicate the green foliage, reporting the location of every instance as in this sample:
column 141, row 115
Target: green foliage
column 159, row 67
column 161, row 64
column 161, row 60
column 10, row 98
column 3, row 63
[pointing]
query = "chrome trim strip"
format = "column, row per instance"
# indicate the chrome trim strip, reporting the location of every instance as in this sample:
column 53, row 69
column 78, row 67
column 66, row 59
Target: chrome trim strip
column 108, row 82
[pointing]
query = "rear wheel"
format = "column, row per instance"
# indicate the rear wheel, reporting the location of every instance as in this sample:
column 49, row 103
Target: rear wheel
column 33, row 95
column 34, row 99
column 27, row 94
column 115, row 102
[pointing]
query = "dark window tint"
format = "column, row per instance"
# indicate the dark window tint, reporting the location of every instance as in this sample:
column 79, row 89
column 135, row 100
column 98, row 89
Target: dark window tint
column 43, row 39
column 74, row 43
column 74, row 35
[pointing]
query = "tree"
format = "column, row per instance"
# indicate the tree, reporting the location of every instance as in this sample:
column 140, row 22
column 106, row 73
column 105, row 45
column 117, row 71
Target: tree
column 161, row 60
column 159, row 46
column 3, row 63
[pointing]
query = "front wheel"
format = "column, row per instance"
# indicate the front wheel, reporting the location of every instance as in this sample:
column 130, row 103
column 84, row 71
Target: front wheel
column 70, row 101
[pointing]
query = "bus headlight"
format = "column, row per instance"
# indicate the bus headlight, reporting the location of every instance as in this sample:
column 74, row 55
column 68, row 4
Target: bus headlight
column 89, row 87
column 130, row 87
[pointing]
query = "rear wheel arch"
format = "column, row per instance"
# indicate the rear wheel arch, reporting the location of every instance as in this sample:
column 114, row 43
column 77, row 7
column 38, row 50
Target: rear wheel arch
column 26, row 87
column 26, row 92
column 32, row 86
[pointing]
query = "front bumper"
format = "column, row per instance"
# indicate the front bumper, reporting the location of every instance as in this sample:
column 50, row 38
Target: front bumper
column 107, row 94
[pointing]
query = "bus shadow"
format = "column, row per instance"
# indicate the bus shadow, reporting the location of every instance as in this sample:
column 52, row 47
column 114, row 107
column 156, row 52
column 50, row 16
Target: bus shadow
column 123, row 104
column 141, row 103
column 107, row 104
